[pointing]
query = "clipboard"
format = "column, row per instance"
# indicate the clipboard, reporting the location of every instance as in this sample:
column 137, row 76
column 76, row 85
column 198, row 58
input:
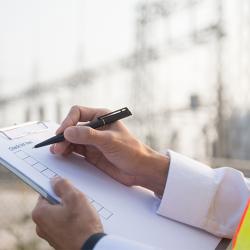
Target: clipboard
column 17, row 132
column 115, row 203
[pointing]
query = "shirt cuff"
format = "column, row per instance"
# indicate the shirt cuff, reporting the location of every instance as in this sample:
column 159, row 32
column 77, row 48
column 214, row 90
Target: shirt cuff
column 90, row 243
column 186, row 196
column 112, row 242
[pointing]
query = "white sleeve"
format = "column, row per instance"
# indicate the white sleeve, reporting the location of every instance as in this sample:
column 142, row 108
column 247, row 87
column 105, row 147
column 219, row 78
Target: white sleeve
column 111, row 242
column 210, row 199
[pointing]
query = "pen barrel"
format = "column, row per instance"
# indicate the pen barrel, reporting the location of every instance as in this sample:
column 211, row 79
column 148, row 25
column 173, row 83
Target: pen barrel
column 58, row 138
column 96, row 123
column 109, row 118
column 52, row 140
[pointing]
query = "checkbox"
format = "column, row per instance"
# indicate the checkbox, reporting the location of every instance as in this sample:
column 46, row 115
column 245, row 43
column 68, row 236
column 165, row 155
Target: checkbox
column 104, row 213
column 22, row 155
column 40, row 167
column 48, row 173
column 31, row 161
column 97, row 206
column 89, row 199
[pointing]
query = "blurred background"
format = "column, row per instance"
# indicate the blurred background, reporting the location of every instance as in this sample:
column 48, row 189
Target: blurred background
column 181, row 66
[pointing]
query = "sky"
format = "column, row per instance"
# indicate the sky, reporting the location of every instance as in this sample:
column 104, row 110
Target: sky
column 44, row 39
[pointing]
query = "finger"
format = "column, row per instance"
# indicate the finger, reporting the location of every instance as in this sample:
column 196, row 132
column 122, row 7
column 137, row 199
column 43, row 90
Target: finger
column 41, row 211
column 52, row 150
column 42, row 202
column 70, row 196
column 60, row 148
column 88, row 136
column 46, row 236
column 80, row 149
column 69, row 150
column 62, row 187
column 80, row 114
column 40, row 232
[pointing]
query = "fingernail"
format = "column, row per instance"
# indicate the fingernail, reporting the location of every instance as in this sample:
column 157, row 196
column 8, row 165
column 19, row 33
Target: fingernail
column 55, row 179
column 55, row 147
column 52, row 149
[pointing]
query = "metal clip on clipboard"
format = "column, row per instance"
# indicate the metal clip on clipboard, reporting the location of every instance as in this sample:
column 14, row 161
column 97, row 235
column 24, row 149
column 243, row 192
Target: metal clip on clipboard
column 19, row 131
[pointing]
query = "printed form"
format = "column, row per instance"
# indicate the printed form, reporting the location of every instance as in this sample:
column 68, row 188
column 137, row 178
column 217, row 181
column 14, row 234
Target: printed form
column 129, row 212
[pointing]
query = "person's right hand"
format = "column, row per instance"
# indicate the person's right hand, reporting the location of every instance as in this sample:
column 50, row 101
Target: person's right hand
column 113, row 149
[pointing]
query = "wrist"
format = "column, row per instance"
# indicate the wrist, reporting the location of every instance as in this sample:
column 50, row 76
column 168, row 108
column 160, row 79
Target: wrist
column 155, row 171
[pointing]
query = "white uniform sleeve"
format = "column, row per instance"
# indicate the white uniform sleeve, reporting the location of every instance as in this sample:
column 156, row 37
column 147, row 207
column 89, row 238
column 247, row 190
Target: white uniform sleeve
column 111, row 242
column 210, row 199
column 195, row 194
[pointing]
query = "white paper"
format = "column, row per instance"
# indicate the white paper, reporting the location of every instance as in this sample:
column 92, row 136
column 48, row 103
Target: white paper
column 129, row 212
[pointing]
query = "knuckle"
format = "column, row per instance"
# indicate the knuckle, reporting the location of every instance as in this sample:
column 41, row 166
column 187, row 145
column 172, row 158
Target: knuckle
column 39, row 232
column 74, row 108
column 91, row 132
column 73, row 113
column 61, row 183
column 80, row 196
column 110, row 137
column 108, row 141
column 75, row 198
column 37, row 215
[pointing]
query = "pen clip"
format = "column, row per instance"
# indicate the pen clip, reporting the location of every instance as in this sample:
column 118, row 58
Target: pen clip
column 123, row 111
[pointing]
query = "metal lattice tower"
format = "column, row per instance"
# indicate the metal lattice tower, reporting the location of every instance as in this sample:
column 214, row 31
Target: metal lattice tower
column 143, row 81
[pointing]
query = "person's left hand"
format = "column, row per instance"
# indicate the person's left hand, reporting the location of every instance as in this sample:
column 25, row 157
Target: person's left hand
column 69, row 224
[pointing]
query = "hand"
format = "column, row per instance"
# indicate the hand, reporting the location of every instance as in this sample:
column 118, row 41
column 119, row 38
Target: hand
column 113, row 149
column 69, row 224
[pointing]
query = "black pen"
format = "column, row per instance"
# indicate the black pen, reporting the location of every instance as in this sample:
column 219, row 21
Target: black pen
column 96, row 123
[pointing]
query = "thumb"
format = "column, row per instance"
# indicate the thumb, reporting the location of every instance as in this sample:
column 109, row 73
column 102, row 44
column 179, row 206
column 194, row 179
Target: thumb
column 61, row 186
column 66, row 191
column 86, row 135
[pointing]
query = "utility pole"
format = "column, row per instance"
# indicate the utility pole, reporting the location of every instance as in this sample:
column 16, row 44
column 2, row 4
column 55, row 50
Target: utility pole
column 2, row 108
column 143, row 82
column 79, row 59
column 80, row 8
column 220, row 149
column 37, row 86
